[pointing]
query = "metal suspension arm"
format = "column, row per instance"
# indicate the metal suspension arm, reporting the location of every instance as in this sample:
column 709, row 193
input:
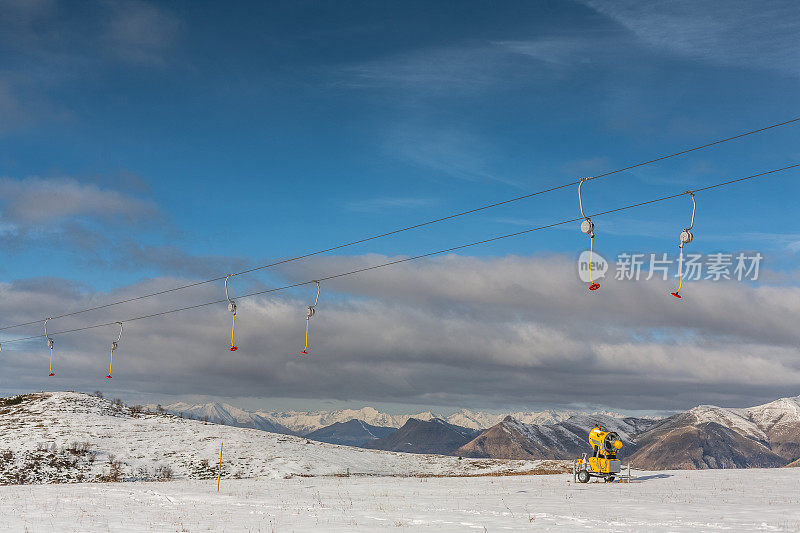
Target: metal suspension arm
column 114, row 346
column 694, row 208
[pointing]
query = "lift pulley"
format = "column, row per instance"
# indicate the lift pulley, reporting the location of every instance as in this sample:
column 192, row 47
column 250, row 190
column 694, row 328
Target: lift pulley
column 587, row 227
column 309, row 313
column 685, row 238
column 232, row 309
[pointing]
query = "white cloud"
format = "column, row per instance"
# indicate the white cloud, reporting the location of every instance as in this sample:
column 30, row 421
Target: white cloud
column 398, row 202
column 735, row 33
column 468, row 70
column 449, row 151
column 140, row 32
column 40, row 201
column 554, row 51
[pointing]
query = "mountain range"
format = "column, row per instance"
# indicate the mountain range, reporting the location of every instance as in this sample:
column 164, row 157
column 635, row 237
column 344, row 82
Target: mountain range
column 305, row 422
column 706, row 436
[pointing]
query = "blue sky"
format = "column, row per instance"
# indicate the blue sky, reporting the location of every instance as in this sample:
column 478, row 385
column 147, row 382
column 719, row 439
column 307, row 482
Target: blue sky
column 176, row 141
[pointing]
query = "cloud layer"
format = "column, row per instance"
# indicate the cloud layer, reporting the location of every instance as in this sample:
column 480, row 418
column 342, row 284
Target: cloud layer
column 452, row 331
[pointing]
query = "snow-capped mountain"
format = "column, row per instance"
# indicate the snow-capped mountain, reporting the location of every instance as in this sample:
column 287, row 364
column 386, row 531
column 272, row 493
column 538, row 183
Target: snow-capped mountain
column 223, row 413
column 68, row 437
column 772, row 431
column 780, row 412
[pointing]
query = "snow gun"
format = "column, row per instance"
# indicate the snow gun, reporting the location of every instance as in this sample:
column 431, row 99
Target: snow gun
column 603, row 462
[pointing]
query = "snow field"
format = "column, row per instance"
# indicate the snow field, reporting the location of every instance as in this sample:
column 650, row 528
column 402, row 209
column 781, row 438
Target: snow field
column 674, row 501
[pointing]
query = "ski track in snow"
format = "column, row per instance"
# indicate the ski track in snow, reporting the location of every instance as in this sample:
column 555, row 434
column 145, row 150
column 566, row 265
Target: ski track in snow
column 678, row 501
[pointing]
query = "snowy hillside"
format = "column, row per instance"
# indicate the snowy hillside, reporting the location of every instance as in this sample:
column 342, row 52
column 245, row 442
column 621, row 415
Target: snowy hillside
column 68, row 437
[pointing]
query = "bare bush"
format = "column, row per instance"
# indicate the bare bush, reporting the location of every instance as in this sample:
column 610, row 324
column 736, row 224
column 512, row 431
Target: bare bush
column 164, row 473
column 79, row 448
column 114, row 474
column 12, row 400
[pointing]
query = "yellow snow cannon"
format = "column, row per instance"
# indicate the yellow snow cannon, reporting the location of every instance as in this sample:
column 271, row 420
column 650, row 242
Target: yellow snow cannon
column 603, row 462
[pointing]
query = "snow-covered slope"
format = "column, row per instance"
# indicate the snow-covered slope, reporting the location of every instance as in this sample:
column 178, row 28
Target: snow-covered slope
column 769, row 415
column 68, row 437
column 752, row 422
column 735, row 419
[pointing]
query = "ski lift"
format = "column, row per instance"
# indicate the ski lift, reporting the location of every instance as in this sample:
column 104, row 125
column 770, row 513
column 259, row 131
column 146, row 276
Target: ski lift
column 114, row 346
column 309, row 313
column 50, row 344
column 685, row 238
column 232, row 309
column 587, row 227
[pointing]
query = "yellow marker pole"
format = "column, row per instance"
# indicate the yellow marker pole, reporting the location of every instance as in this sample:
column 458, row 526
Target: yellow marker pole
column 677, row 294
column 110, row 362
column 306, row 348
column 591, row 250
column 51, row 361
column 233, row 325
column 219, row 472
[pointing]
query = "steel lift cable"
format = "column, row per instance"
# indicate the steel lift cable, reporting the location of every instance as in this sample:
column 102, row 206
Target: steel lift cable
column 114, row 346
column 685, row 238
column 408, row 228
column 417, row 257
